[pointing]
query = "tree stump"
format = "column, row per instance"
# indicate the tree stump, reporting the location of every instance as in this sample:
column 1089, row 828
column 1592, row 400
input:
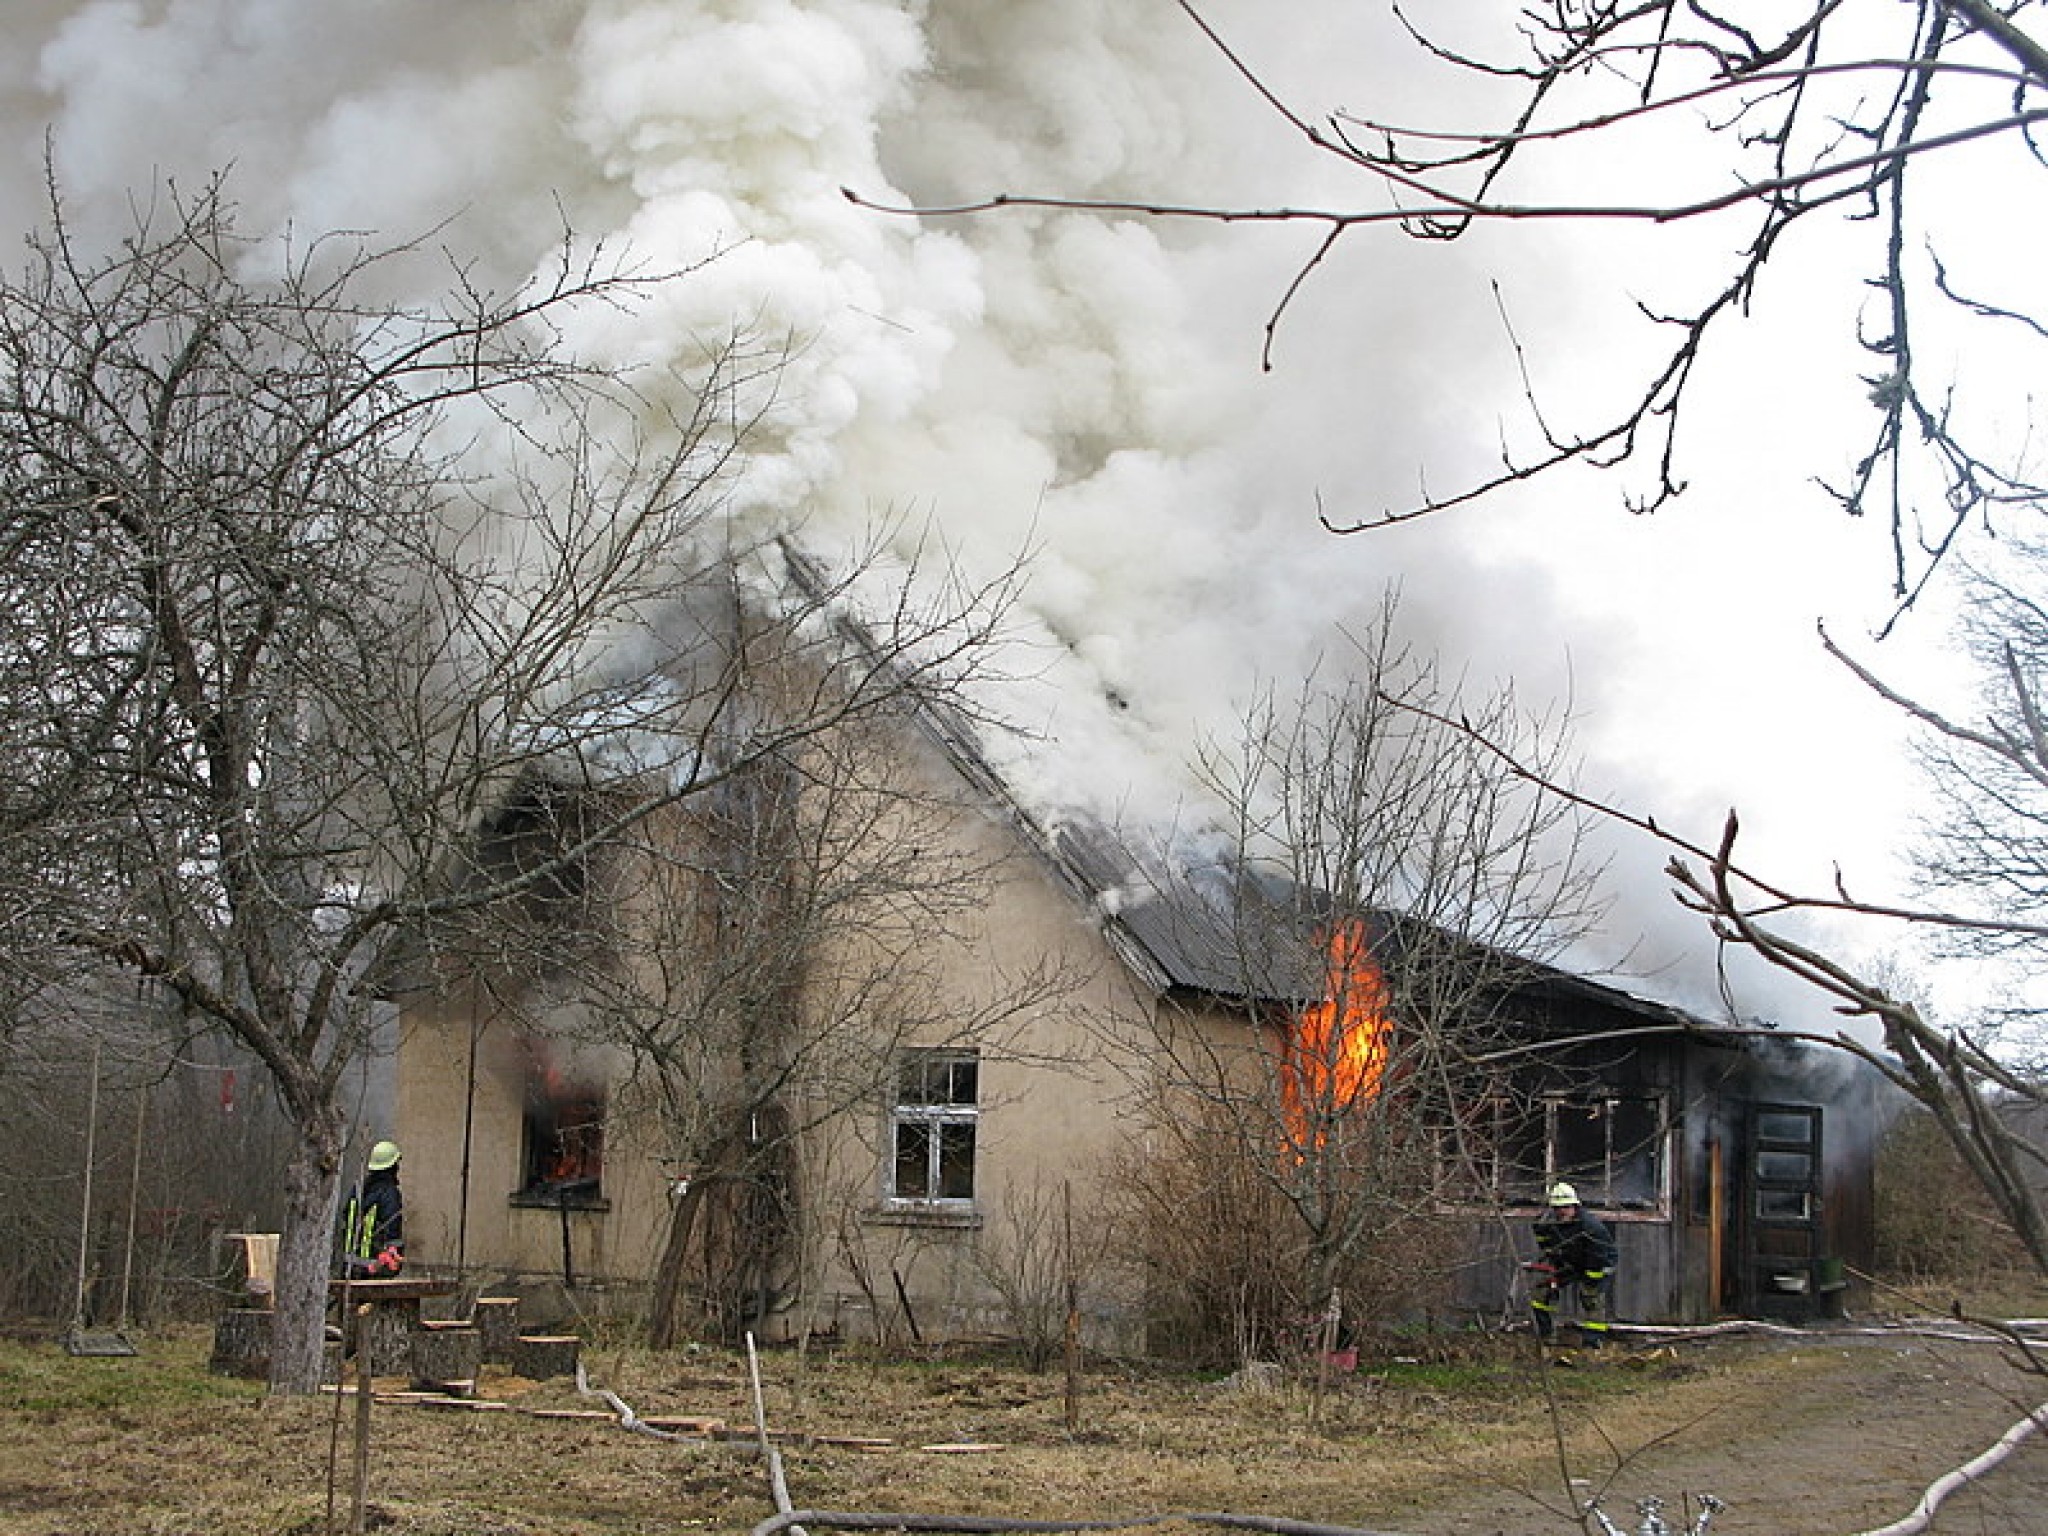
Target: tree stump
column 446, row 1357
column 497, row 1319
column 539, row 1356
column 390, row 1328
column 241, row 1342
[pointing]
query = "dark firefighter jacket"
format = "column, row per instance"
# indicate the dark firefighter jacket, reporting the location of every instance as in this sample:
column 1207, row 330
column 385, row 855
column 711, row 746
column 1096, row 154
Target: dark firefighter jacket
column 1576, row 1247
column 372, row 1223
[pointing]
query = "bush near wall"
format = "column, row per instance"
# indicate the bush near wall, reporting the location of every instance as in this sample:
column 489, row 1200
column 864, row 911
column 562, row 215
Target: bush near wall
column 1933, row 1222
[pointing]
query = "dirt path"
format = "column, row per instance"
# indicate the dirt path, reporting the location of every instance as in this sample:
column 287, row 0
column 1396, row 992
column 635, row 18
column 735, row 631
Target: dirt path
column 1845, row 1441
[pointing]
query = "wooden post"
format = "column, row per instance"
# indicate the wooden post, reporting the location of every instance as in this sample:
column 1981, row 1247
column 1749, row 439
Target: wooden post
column 1714, row 1219
column 1326, row 1346
column 363, row 1394
column 1073, row 1330
column 903, row 1299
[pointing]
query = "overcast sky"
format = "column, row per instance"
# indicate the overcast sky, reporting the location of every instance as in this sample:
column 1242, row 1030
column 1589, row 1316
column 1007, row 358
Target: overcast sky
column 1085, row 387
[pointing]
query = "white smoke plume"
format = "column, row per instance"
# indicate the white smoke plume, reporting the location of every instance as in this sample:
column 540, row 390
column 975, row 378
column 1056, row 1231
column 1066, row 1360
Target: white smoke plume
column 1085, row 387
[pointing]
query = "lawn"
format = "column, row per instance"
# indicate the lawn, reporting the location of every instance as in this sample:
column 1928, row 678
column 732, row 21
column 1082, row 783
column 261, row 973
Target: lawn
column 1467, row 1434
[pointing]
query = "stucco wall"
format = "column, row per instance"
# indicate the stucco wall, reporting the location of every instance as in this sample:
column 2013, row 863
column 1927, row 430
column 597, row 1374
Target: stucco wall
column 1030, row 961
column 461, row 1122
column 1049, row 1119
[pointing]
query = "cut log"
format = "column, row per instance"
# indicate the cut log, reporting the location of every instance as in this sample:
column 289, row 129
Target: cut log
column 538, row 1356
column 241, row 1342
column 497, row 1319
column 446, row 1357
column 390, row 1327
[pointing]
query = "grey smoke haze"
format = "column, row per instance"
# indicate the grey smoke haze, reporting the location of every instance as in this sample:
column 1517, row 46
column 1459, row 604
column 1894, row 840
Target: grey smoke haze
column 1082, row 386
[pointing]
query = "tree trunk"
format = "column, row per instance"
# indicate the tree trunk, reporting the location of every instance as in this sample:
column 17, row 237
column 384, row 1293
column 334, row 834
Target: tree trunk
column 664, row 1314
column 305, row 1254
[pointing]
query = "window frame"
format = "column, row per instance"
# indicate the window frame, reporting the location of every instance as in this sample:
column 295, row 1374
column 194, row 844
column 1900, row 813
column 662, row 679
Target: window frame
column 938, row 1115
column 1510, row 1123
column 549, row 1125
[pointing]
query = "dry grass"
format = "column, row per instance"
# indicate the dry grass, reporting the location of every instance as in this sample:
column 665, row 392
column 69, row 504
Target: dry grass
column 154, row 1444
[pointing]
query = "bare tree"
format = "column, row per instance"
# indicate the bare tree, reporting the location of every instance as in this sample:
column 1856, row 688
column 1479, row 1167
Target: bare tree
column 755, row 960
column 1982, row 853
column 1984, row 896
column 766, row 954
column 1384, row 884
column 300, row 586
column 1768, row 121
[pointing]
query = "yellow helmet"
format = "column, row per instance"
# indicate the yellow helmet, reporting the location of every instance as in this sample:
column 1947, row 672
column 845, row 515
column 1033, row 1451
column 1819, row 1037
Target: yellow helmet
column 1560, row 1194
column 383, row 1155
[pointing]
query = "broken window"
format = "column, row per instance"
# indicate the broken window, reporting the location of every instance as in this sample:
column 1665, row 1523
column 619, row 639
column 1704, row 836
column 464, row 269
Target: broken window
column 562, row 1141
column 932, row 1128
column 1612, row 1149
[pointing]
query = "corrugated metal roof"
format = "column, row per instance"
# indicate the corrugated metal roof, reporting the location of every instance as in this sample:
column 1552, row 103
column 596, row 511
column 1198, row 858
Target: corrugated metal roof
column 1200, row 927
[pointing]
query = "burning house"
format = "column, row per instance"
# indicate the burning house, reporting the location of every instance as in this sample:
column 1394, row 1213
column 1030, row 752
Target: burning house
column 895, row 1178
column 1735, row 1167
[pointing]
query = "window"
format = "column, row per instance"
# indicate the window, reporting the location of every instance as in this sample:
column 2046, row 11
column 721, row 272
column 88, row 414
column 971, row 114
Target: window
column 1784, row 1164
column 562, row 1142
column 931, row 1129
column 1612, row 1148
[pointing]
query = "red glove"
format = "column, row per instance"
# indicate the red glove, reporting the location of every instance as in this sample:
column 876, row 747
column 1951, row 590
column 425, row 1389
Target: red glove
column 389, row 1262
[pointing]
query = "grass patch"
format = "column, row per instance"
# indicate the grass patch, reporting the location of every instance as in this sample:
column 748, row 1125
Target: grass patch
column 43, row 1381
column 92, row 1447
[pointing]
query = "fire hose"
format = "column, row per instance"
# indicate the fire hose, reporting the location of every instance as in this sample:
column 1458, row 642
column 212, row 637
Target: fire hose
column 791, row 1519
column 1962, row 1477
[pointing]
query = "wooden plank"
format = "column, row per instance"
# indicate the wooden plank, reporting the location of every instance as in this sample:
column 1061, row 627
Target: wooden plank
column 479, row 1404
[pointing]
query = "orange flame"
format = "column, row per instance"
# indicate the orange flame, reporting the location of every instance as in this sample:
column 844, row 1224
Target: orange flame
column 1338, row 1054
column 564, row 1120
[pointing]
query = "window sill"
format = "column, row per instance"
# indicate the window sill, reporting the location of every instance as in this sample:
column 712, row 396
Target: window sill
column 915, row 1213
column 1520, row 1211
column 550, row 1200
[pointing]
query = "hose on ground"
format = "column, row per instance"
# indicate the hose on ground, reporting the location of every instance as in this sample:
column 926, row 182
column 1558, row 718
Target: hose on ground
column 1962, row 1477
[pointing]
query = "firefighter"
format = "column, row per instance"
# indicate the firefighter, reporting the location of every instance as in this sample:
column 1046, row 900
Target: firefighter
column 373, row 1221
column 1576, row 1256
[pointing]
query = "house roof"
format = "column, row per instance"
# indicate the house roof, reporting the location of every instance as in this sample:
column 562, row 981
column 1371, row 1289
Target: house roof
column 1214, row 926
column 1211, row 927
